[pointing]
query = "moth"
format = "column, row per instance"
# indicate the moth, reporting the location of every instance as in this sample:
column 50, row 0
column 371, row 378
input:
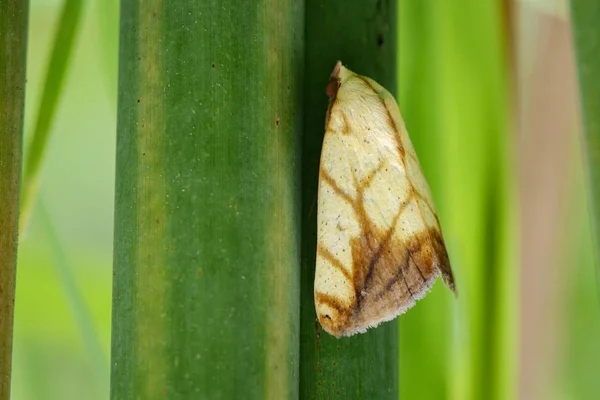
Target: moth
column 380, row 246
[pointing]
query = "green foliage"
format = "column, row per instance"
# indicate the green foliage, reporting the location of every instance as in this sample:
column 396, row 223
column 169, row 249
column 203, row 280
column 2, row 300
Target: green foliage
column 453, row 95
column 206, row 274
column 363, row 37
column 585, row 15
column 62, row 48
column 108, row 16
column 586, row 34
column 208, row 278
column 13, row 49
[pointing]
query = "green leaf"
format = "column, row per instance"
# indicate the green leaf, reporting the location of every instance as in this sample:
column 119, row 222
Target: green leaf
column 478, row 210
column 585, row 15
column 206, row 260
column 108, row 16
column 453, row 85
column 13, row 51
column 424, row 352
column 64, row 40
column 363, row 36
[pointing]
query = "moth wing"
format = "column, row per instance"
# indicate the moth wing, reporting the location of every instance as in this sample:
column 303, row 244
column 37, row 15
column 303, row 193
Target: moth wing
column 380, row 246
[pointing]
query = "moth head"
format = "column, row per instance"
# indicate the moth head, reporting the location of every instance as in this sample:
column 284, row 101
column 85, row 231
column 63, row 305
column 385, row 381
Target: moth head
column 339, row 74
column 334, row 82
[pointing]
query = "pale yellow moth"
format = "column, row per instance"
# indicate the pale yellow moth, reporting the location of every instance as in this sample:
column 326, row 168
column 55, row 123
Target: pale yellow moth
column 380, row 245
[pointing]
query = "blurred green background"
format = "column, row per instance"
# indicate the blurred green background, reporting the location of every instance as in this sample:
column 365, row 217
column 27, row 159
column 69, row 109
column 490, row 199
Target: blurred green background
column 551, row 333
column 50, row 360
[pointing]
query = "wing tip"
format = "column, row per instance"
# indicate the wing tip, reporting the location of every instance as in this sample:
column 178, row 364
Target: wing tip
column 444, row 269
column 449, row 281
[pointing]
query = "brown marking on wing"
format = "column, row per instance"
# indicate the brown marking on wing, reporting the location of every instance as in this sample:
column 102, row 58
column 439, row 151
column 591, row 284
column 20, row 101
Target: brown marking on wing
column 424, row 199
column 390, row 118
column 356, row 204
column 331, row 301
column 434, row 236
column 337, row 264
column 335, row 187
column 417, row 253
column 415, row 159
column 401, row 149
column 381, row 259
column 332, row 323
column 346, row 127
column 437, row 242
column 382, row 245
column 399, row 145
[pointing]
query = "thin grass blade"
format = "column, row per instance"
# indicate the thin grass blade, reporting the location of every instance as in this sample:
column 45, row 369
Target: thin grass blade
column 585, row 15
column 13, row 51
column 62, row 48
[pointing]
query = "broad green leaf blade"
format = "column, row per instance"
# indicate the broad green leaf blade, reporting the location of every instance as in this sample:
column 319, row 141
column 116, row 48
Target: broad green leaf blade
column 585, row 15
column 206, row 261
column 477, row 210
column 424, row 353
column 453, row 84
column 64, row 40
column 363, row 36
column 14, row 15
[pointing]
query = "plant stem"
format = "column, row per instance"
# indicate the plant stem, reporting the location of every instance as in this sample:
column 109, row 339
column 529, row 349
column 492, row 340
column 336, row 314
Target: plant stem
column 206, row 261
column 585, row 16
column 363, row 36
column 14, row 16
